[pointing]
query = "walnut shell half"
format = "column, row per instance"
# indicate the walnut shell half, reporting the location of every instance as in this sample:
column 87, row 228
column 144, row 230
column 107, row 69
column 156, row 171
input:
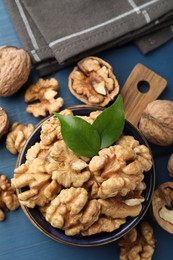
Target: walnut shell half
column 15, row 64
column 162, row 208
column 4, row 122
column 156, row 122
column 92, row 81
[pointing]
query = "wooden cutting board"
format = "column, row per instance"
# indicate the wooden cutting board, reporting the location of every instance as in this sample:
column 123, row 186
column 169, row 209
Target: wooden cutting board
column 142, row 87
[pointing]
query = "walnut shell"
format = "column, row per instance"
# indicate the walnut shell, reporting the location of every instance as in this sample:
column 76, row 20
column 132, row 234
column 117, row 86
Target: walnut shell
column 15, row 64
column 162, row 206
column 156, row 122
column 4, row 122
column 92, row 81
column 170, row 165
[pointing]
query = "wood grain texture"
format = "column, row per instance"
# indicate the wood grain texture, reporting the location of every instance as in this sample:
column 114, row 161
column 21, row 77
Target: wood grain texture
column 134, row 100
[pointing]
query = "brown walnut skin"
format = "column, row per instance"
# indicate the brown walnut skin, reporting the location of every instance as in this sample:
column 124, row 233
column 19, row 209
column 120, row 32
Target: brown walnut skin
column 15, row 64
column 170, row 165
column 162, row 200
column 4, row 122
column 156, row 122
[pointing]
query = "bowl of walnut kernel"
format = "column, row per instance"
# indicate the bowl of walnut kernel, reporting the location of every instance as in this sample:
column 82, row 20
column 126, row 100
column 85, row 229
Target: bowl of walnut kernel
column 78, row 200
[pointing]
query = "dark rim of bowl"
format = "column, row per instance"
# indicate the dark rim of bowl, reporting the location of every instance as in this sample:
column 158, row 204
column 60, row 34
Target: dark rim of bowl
column 58, row 235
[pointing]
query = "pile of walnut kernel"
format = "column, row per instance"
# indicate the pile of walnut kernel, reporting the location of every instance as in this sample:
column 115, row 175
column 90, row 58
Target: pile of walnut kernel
column 83, row 195
column 138, row 243
column 44, row 91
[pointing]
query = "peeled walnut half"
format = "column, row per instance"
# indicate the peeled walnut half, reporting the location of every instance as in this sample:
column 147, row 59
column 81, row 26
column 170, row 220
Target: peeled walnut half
column 17, row 136
column 45, row 91
column 92, row 81
column 8, row 198
column 4, row 122
column 162, row 206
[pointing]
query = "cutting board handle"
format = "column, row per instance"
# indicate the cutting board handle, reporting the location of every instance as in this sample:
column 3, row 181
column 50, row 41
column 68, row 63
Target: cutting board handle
column 142, row 87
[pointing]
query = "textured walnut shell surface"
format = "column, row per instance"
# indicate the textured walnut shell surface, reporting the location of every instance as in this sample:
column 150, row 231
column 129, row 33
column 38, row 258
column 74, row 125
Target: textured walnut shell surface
column 156, row 122
column 161, row 199
column 170, row 165
column 4, row 122
column 88, row 73
column 15, row 64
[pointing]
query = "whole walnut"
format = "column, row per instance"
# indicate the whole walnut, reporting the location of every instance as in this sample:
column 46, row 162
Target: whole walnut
column 15, row 64
column 170, row 165
column 4, row 122
column 156, row 122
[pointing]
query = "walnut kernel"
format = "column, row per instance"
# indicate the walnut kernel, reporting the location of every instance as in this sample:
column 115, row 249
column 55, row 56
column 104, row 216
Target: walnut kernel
column 8, row 198
column 17, row 137
column 44, row 91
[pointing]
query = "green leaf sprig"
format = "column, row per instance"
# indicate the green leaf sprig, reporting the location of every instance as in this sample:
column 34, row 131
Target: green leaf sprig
column 87, row 139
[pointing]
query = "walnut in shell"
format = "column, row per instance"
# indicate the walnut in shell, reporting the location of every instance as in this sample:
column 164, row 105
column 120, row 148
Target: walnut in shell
column 92, row 81
column 162, row 206
column 156, row 122
column 170, row 165
column 4, row 122
column 15, row 64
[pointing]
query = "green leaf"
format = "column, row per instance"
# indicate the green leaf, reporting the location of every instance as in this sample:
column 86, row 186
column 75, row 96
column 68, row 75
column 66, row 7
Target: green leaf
column 79, row 135
column 110, row 123
column 86, row 139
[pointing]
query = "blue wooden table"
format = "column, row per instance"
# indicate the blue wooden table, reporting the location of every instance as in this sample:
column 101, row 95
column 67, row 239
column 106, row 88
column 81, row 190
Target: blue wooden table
column 19, row 239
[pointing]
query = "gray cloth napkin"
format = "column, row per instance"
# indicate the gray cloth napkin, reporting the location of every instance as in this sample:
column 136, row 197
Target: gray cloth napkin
column 59, row 32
